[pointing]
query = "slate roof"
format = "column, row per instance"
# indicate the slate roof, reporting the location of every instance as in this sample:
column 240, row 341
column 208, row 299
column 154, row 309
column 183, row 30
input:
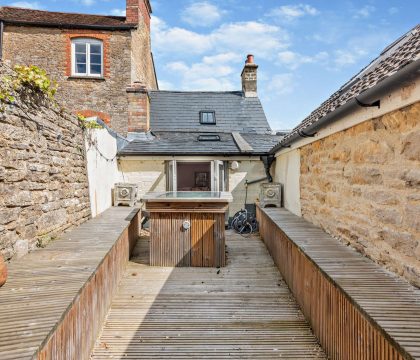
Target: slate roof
column 29, row 17
column 179, row 111
column 395, row 57
column 186, row 143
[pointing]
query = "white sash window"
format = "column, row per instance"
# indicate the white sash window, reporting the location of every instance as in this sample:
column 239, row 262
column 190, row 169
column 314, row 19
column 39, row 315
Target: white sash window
column 87, row 57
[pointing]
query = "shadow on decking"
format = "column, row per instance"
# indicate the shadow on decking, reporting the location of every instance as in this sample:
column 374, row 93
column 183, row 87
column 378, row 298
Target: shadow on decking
column 242, row 311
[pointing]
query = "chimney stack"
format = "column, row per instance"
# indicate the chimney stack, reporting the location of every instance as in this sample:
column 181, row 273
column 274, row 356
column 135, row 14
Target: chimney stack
column 138, row 11
column 249, row 77
column 138, row 108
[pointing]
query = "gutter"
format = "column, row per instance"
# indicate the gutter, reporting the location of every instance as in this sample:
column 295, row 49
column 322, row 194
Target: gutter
column 71, row 26
column 409, row 72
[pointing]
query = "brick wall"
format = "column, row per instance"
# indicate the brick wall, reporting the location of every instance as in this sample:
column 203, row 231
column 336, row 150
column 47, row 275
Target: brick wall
column 43, row 178
column 362, row 185
column 50, row 50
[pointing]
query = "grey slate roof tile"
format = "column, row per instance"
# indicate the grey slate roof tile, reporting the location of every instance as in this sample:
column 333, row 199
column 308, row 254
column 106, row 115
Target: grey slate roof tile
column 186, row 143
column 179, row 111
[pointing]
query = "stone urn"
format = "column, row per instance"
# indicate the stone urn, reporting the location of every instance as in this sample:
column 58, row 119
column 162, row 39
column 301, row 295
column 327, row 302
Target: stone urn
column 3, row 271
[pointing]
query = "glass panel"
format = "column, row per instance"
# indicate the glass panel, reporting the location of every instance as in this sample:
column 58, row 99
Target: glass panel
column 81, row 58
column 80, row 48
column 95, row 49
column 96, row 59
column 207, row 118
column 190, row 195
column 81, row 68
column 96, row 69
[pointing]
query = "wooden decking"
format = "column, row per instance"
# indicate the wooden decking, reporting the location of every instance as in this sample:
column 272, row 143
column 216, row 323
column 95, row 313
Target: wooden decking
column 243, row 311
column 55, row 300
column 357, row 309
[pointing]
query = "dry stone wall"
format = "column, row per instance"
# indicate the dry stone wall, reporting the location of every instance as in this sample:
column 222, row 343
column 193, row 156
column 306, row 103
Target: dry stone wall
column 43, row 178
column 362, row 185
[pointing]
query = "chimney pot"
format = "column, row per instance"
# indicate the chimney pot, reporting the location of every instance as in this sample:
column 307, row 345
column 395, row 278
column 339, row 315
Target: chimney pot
column 250, row 59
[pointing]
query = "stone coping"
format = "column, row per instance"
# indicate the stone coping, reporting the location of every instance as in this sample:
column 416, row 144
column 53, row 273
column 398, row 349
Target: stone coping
column 389, row 302
column 43, row 285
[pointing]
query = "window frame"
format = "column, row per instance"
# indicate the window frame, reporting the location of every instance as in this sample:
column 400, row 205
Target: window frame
column 202, row 112
column 88, row 42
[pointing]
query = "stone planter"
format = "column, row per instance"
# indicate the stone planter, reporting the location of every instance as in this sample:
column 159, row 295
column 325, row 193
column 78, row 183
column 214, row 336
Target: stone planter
column 3, row 271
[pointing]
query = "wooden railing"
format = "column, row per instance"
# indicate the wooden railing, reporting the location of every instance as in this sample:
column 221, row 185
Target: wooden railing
column 345, row 310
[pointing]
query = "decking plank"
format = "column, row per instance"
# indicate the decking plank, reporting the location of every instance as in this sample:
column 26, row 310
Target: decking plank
column 388, row 301
column 44, row 284
column 246, row 311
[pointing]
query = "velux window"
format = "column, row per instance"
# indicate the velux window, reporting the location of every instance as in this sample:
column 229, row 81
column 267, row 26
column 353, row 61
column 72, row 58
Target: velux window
column 87, row 57
column 207, row 117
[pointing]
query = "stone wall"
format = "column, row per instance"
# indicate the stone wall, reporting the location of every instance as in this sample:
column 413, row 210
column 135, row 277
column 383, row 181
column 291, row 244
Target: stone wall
column 48, row 48
column 362, row 185
column 43, row 181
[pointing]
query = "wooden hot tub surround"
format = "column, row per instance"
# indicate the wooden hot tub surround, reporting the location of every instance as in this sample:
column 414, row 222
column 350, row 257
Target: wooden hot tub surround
column 187, row 231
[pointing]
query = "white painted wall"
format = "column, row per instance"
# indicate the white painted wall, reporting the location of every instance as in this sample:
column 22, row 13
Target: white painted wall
column 287, row 173
column 101, row 150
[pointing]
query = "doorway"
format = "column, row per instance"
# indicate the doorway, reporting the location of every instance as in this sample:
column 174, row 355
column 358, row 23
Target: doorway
column 196, row 175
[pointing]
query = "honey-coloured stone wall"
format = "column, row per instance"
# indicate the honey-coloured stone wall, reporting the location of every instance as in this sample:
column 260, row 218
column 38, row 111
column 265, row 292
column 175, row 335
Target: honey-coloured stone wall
column 362, row 185
column 43, row 177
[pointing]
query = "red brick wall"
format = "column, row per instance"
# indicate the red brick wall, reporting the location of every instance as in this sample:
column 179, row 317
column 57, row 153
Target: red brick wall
column 106, row 118
column 136, row 8
column 70, row 35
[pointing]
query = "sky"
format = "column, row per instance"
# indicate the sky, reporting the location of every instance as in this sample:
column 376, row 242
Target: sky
column 306, row 50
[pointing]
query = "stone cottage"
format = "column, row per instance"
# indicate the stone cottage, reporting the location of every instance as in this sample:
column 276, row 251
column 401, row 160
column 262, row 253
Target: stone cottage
column 203, row 141
column 95, row 59
column 352, row 166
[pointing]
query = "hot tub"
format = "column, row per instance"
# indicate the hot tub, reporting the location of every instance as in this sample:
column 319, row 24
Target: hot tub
column 187, row 228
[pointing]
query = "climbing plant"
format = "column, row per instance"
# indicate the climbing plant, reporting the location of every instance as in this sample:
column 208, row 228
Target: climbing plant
column 29, row 80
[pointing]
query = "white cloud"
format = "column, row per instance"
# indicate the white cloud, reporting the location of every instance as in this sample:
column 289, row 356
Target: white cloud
column 202, row 14
column 292, row 12
column 177, row 40
column 348, row 57
column 118, row 12
column 258, row 38
column 281, row 84
column 166, row 85
column 293, row 59
column 27, row 4
column 364, row 12
column 88, row 2
column 212, row 73
column 241, row 37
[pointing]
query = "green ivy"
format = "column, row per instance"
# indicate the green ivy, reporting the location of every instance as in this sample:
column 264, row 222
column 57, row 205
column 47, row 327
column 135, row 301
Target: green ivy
column 35, row 79
column 86, row 124
column 30, row 79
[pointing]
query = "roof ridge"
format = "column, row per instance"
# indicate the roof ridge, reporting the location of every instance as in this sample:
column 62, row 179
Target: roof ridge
column 62, row 12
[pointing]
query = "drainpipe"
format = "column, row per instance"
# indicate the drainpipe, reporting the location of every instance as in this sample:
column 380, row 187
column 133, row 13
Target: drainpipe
column 268, row 161
column 1, row 39
column 370, row 97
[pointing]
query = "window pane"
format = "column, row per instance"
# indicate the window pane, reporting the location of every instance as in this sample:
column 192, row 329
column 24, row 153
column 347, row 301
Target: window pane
column 81, row 48
column 207, row 118
column 81, row 68
column 81, row 58
column 95, row 49
column 96, row 59
column 96, row 69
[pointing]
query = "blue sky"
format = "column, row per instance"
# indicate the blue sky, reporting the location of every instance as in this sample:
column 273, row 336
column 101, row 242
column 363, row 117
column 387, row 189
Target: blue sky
column 306, row 49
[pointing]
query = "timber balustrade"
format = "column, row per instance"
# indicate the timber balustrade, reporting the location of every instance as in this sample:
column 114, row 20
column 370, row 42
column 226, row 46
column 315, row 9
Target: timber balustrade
column 56, row 299
column 356, row 309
